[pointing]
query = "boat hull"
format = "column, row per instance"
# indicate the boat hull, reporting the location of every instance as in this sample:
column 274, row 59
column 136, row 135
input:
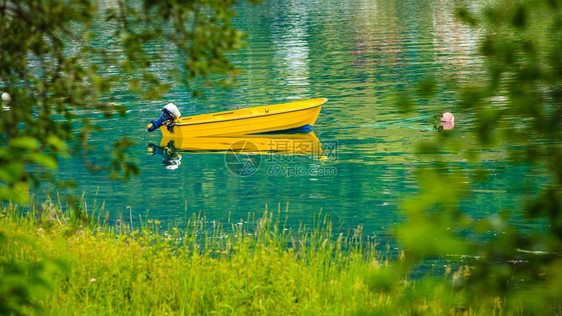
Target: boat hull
column 263, row 119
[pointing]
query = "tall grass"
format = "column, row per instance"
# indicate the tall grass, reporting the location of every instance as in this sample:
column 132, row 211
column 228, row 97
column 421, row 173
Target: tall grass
column 82, row 265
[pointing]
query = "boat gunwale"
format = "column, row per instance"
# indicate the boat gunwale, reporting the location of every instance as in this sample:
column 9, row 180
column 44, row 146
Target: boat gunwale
column 249, row 117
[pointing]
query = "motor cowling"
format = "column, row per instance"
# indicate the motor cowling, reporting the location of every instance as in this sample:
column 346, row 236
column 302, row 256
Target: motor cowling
column 170, row 112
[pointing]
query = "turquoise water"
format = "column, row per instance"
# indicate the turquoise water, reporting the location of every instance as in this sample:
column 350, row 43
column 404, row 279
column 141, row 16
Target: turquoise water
column 358, row 54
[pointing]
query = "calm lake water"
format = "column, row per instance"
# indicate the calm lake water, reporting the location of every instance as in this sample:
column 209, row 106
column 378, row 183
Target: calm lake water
column 357, row 54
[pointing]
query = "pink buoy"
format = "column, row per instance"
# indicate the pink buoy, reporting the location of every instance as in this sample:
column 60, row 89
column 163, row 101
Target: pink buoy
column 447, row 117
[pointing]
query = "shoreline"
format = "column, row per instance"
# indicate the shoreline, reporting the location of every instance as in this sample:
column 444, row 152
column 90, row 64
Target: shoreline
column 72, row 264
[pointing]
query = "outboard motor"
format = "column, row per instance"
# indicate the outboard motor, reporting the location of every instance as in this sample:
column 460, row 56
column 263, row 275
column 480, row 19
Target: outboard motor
column 170, row 112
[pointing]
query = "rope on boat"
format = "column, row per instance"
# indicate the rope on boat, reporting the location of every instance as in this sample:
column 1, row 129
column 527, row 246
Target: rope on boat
column 415, row 119
column 333, row 120
column 397, row 123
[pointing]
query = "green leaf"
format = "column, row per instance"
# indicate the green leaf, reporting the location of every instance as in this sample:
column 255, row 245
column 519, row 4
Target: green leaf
column 24, row 142
column 56, row 144
column 42, row 159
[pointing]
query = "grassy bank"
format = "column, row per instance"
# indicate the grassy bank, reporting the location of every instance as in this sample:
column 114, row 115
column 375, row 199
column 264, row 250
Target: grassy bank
column 59, row 263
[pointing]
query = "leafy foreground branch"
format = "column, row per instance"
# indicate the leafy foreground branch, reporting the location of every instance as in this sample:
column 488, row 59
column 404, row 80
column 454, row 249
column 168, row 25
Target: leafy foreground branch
column 60, row 263
column 515, row 252
column 64, row 65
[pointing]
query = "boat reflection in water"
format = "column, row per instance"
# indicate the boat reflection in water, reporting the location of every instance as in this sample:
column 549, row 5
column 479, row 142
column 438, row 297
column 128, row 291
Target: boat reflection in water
column 239, row 146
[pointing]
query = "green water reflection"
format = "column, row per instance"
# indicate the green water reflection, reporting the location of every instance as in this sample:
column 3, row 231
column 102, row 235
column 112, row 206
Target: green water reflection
column 358, row 54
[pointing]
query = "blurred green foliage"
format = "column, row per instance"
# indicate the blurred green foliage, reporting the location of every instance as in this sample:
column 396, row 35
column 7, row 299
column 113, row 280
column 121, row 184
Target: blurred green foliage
column 260, row 266
column 517, row 107
column 54, row 87
column 23, row 284
column 19, row 285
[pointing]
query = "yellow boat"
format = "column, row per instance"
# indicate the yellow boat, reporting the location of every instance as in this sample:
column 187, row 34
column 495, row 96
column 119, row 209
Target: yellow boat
column 262, row 119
